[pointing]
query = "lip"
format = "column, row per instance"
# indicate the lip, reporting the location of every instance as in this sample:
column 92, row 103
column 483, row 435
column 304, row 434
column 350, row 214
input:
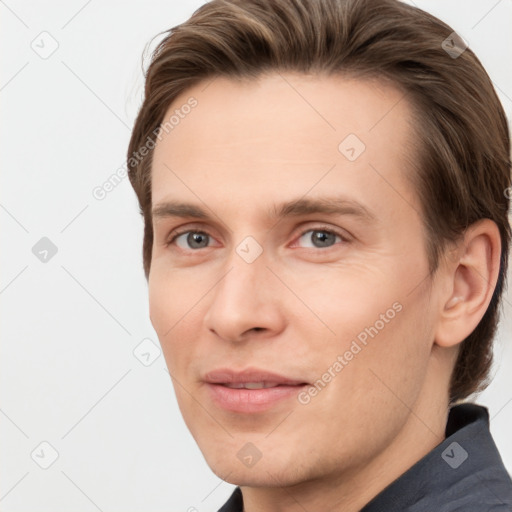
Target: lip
column 250, row 400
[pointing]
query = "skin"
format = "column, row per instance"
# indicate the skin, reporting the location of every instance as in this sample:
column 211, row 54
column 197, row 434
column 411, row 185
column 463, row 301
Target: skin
column 246, row 147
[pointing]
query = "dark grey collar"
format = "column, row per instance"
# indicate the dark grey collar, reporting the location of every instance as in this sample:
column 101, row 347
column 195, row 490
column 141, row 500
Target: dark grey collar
column 463, row 473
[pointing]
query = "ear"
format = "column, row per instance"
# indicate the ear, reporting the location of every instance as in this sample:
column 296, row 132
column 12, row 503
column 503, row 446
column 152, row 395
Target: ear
column 472, row 278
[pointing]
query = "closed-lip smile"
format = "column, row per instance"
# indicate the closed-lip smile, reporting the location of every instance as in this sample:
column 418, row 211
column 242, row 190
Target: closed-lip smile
column 250, row 390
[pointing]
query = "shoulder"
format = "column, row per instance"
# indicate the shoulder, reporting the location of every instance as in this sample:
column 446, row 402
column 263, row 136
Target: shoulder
column 465, row 473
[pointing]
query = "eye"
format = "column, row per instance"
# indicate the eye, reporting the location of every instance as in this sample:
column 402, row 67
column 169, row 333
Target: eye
column 191, row 240
column 320, row 238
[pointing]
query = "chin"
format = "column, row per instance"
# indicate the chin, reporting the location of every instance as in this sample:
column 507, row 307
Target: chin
column 257, row 477
column 266, row 472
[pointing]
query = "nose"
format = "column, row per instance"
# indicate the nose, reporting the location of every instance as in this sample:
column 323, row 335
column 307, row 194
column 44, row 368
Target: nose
column 246, row 301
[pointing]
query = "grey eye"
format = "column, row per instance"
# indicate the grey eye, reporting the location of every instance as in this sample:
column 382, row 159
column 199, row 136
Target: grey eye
column 193, row 240
column 319, row 238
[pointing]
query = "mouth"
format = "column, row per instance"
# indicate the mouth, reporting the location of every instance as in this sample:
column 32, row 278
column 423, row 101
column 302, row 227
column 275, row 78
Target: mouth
column 251, row 390
column 252, row 385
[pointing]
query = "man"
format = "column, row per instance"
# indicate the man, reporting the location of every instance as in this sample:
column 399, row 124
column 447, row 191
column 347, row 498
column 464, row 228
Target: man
column 326, row 240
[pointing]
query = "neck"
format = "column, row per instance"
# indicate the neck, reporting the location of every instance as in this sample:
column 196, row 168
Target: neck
column 352, row 490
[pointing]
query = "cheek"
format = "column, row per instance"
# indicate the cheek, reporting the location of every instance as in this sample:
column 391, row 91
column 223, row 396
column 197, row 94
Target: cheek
column 391, row 367
column 376, row 382
column 383, row 334
column 172, row 296
column 351, row 303
column 161, row 308
column 170, row 306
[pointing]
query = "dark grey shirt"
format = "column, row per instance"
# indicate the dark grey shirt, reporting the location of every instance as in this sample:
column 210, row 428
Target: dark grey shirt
column 464, row 473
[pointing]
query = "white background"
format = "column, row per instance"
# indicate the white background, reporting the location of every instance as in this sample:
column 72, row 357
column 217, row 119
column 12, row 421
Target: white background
column 68, row 375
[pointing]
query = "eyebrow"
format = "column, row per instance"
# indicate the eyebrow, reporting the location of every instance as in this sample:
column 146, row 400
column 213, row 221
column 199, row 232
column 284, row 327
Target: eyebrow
column 303, row 206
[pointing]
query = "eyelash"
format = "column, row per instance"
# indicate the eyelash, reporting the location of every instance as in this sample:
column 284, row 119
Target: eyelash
column 323, row 229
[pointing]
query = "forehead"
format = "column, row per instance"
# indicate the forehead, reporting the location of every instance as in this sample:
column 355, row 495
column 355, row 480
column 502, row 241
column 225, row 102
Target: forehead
column 280, row 134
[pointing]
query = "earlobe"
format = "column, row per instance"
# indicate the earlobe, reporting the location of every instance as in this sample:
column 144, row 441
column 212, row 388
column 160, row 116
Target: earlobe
column 472, row 279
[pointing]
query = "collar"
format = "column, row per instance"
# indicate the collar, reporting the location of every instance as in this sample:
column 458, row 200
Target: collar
column 465, row 471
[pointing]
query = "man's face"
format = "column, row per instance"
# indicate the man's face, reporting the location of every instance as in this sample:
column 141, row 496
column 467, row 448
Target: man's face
column 335, row 303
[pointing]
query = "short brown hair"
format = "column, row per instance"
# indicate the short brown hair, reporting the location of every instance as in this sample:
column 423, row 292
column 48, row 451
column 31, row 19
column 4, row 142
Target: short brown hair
column 463, row 165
